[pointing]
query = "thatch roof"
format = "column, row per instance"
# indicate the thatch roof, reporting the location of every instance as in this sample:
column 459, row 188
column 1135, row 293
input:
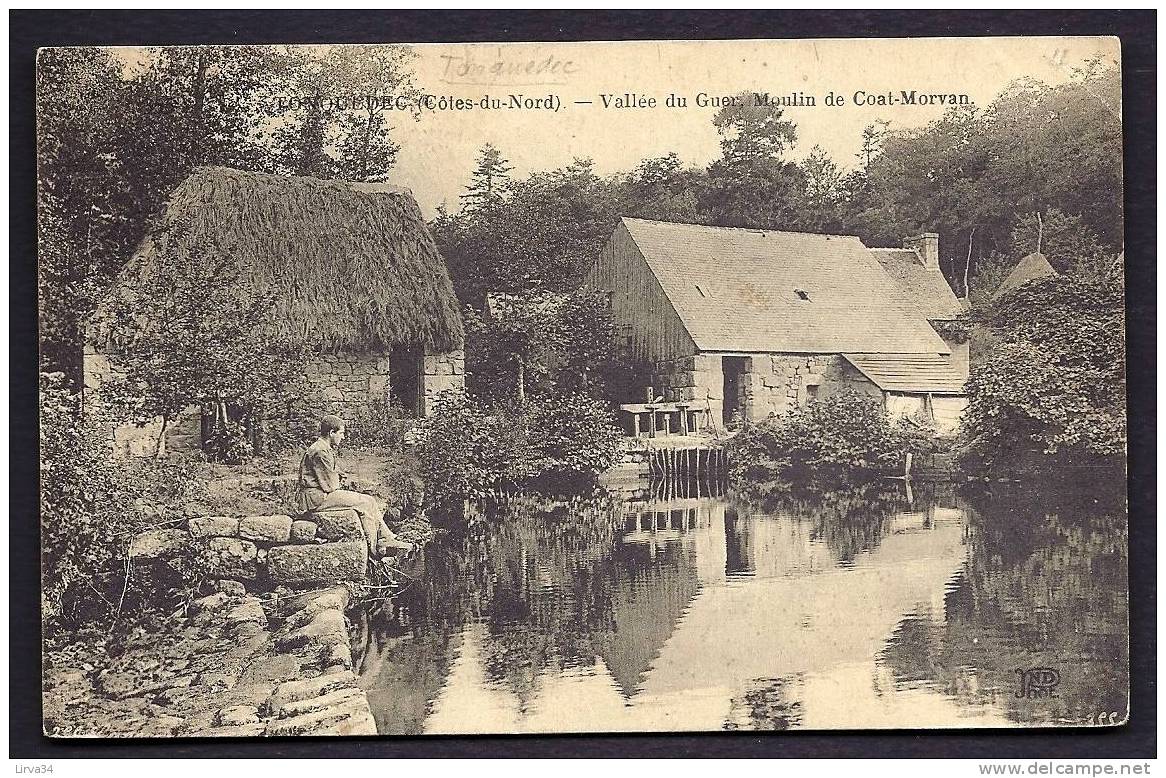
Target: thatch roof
column 1032, row 267
column 350, row 265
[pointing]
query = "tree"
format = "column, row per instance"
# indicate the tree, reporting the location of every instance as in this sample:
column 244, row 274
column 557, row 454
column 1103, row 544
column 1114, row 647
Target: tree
column 490, row 180
column 820, row 210
column 661, row 188
column 539, row 343
column 191, row 334
column 366, row 152
column 751, row 185
column 105, row 172
column 552, row 228
column 763, row 194
column 378, row 75
column 751, row 132
column 972, row 174
column 1064, row 240
column 79, row 179
column 512, row 345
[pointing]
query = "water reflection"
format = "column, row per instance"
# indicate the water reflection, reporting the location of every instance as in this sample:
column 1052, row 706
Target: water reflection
column 864, row 607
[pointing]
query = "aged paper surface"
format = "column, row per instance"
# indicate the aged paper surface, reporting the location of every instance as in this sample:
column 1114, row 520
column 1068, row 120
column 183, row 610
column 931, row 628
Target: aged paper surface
column 701, row 385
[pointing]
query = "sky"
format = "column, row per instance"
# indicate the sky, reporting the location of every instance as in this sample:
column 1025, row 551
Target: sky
column 439, row 148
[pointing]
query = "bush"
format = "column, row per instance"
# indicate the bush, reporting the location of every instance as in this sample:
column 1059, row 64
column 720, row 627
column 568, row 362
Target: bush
column 1053, row 385
column 575, row 435
column 843, row 434
column 92, row 506
column 228, row 443
column 293, row 421
column 468, row 449
column 379, row 424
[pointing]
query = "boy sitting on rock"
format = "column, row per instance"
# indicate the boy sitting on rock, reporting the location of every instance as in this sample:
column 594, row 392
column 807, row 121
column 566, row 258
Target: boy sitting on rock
column 319, row 490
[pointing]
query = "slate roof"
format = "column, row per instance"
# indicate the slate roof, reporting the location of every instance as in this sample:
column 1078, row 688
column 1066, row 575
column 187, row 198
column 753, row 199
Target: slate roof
column 909, row 372
column 1032, row 267
column 737, row 290
column 925, row 286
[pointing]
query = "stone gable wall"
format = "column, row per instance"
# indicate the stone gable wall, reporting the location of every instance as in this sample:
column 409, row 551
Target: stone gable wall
column 442, row 373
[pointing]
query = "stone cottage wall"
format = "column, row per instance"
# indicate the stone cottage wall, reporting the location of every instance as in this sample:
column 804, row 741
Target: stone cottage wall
column 182, row 434
column 777, row 383
column 771, row 383
column 349, row 381
column 696, row 380
column 442, row 373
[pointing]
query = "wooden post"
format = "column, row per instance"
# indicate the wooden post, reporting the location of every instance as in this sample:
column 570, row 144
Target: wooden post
column 651, row 422
column 667, row 424
column 635, row 424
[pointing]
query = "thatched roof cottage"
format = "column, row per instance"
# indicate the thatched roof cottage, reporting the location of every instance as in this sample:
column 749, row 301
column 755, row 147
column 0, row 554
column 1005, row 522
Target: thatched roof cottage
column 355, row 275
column 1032, row 267
column 744, row 322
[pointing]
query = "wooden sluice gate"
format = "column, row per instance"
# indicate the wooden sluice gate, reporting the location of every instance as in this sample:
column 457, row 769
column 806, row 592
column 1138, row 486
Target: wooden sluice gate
column 672, row 462
column 678, row 487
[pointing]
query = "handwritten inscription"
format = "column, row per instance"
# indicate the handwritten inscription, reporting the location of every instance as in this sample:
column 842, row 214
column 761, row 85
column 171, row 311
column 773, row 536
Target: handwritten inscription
column 502, row 70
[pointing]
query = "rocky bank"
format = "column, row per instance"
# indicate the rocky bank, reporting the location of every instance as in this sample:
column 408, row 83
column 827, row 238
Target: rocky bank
column 236, row 666
column 267, row 654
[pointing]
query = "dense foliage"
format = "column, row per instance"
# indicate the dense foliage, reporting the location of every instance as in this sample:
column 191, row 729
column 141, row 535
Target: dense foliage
column 469, row 449
column 1054, row 381
column 843, row 434
column 190, row 334
column 539, row 342
column 92, row 506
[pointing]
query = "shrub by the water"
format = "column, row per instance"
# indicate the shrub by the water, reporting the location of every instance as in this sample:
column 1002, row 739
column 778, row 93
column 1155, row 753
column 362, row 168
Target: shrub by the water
column 92, row 506
column 468, row 449
column 1052, row 390
column 843, row 434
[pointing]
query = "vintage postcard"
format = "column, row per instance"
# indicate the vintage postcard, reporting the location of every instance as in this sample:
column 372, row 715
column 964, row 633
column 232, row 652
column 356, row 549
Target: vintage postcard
column 582, row 387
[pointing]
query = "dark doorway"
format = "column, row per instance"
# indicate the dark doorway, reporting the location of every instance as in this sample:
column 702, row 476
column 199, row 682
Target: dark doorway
column 733, row 368
column 405, row 378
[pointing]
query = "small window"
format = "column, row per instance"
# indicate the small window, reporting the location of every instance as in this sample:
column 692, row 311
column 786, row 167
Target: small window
column 702, row 290
column 802, row 294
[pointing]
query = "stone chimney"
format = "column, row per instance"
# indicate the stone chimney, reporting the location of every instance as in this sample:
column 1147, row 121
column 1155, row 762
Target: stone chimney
column 926, row 246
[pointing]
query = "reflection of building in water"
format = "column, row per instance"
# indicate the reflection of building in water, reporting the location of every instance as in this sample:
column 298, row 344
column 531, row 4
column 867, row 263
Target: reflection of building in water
column 738, row 553
column 653, row 586
column 401, row 671
column 680, row 639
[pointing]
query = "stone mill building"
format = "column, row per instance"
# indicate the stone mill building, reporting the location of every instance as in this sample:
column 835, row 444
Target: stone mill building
column 747, row 323
column 354, row 274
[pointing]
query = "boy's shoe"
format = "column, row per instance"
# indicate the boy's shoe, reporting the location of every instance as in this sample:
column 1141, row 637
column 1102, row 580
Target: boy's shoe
column 385, row 546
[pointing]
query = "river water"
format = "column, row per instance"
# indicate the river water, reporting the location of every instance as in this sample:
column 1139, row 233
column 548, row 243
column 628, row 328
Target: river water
column 858, row 608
